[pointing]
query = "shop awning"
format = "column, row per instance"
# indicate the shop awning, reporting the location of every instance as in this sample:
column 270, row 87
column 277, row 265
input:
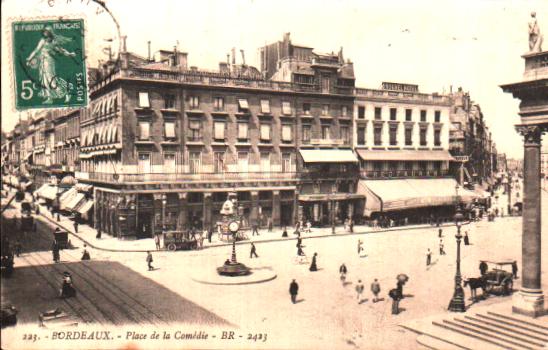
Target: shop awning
column 323, row 197
column 66, row 197
column 398, row 155
column 328, row 156
column 75, row 201
column 398, row 194
column 85, row 208
column 47, row 192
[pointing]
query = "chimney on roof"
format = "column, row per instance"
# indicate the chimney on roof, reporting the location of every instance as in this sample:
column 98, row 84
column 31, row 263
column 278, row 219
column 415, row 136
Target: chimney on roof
column 243, row 57
column 124, row 47
column 149, row 52
column 233, row 55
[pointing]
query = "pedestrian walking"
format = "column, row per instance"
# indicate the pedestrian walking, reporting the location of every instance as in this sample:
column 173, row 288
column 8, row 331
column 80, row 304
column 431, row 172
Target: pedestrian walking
column 75, row 226
column 515, row 269
column 359, row 291
column 343, row 270
column 440, row 231
column 313, row 266
column 428, row 257
column 466, row 239
column 375, row 289
column 85, row 254
column 393, row 293
column 308, row 227
column 157, row 241
column 483, row 267
column 149, row 261
column 255, row 229
column 55, row 250
column 284, row 233
column 98, row 236
column 299, row 241
column 442, row 252
column 360, row 246
column 253, row 252
column 209, row 233
column 17, row 247
column 351, row 226
column 270, row 224
column 293, row 291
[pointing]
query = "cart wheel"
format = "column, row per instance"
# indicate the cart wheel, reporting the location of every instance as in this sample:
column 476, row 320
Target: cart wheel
column 172, row 247
column 508, row 286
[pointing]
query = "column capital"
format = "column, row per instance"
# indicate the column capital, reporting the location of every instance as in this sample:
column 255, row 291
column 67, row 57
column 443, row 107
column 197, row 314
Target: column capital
column 254, row 193
column 207, row 195
column 531, row 134
column 183, row 195
column 276, row 192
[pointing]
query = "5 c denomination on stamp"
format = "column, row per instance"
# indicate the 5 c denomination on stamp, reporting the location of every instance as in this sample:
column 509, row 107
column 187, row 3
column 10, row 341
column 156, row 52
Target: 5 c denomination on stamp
column 49, row 64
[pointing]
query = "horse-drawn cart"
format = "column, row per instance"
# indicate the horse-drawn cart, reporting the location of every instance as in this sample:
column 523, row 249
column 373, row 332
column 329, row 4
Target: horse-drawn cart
column 175, row 240
column 498, row 280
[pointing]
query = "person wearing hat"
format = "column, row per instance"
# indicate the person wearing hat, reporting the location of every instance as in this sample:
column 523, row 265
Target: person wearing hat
column 293, row 291
column 67, row 289
column 149, row 261
column 85, row 254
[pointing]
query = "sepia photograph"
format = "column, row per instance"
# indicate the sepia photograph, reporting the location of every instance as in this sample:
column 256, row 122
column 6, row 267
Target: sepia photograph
column 254, row 174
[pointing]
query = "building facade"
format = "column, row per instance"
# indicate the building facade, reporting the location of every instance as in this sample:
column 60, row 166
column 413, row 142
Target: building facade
column 402, row 140
column 163, row 144
column 469, row 136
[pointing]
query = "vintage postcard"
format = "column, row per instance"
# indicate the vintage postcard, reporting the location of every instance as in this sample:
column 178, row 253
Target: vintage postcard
column 255, row 174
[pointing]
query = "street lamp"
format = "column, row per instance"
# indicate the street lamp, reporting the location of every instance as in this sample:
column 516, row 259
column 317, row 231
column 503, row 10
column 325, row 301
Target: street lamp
column 164, row 202
column 457, row 302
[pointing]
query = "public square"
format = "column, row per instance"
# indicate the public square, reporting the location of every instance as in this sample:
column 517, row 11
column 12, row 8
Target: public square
column 130, row 294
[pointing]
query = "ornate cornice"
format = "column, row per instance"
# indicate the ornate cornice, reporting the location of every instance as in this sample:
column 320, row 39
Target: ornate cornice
column 531, row 134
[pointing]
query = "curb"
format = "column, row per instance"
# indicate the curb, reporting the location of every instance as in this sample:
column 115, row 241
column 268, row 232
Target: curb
column 215, row 245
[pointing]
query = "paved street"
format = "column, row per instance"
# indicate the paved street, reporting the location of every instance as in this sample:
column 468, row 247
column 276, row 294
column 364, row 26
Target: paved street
column 322, row 303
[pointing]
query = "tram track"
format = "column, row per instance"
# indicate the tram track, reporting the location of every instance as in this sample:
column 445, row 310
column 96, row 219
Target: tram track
column 125, row 307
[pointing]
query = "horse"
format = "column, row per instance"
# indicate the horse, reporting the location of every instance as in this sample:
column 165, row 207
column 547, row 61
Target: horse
column 476, row 283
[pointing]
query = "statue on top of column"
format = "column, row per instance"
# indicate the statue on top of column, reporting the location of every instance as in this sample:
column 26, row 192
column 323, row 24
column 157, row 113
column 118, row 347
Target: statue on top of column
column 535, row 38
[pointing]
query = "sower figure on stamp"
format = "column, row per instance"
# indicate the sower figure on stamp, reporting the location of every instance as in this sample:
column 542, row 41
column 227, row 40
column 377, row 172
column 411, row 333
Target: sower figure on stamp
column 52, row 86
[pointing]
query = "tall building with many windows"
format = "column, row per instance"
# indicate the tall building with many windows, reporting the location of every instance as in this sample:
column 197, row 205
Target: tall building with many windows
column 402, row 139
column 163, row 143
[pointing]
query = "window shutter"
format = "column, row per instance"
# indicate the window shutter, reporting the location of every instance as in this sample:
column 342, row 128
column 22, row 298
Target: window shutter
column 265, row 106
column 242, row 130
column 219, row 132
column 143, row 100
column 286, row 107
column 286, row 133
column 243, row 103
column 170, row 130
column 265, row 132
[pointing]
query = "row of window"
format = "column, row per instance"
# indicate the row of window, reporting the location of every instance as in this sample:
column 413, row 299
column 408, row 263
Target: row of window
column 394, row 112
column 219, row 162
column 243, row 105
column 393, row 136
column 195, row 133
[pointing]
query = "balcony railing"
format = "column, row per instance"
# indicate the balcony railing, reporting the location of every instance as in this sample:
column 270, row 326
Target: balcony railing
column 403, row 95
column 391, row 174
column 212, row 177
column 208, row 78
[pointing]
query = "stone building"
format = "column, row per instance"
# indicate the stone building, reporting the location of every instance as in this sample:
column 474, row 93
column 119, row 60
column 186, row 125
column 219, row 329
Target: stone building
column 163, row 143
column 469, row 136
column 402, row 140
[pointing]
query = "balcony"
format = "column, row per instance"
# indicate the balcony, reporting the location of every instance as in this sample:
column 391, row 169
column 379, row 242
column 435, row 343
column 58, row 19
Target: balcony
column 401, row 95
column 219, row 79
column 327, row 142
column 398, row 174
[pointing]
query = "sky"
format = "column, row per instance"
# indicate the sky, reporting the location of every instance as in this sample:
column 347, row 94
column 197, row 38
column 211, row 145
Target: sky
column 476, row 45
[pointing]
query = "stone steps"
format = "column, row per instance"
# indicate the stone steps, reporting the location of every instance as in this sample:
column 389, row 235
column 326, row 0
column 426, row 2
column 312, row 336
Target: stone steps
column 484, row 330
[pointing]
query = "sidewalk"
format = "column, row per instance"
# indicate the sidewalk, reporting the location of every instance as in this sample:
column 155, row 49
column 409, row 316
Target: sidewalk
column 107, row 242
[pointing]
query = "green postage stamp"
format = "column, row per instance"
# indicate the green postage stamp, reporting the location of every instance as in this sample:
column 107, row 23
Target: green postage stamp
column 49, row 64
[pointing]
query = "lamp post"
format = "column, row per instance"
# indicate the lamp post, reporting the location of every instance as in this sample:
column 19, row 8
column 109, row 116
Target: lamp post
column 332, row 216
column 164, row 202
column 457, row 302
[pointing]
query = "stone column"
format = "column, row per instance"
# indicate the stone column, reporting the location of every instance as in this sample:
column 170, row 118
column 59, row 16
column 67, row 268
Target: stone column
column 207, row 210
column 183, row 211
column 530, row 300
column 276, row 215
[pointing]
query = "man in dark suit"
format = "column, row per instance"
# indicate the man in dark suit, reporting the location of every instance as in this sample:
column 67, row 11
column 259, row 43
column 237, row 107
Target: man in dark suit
column 293, row 291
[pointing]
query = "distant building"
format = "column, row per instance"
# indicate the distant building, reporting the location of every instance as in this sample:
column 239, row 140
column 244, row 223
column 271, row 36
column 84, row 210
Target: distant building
column 469, row 136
